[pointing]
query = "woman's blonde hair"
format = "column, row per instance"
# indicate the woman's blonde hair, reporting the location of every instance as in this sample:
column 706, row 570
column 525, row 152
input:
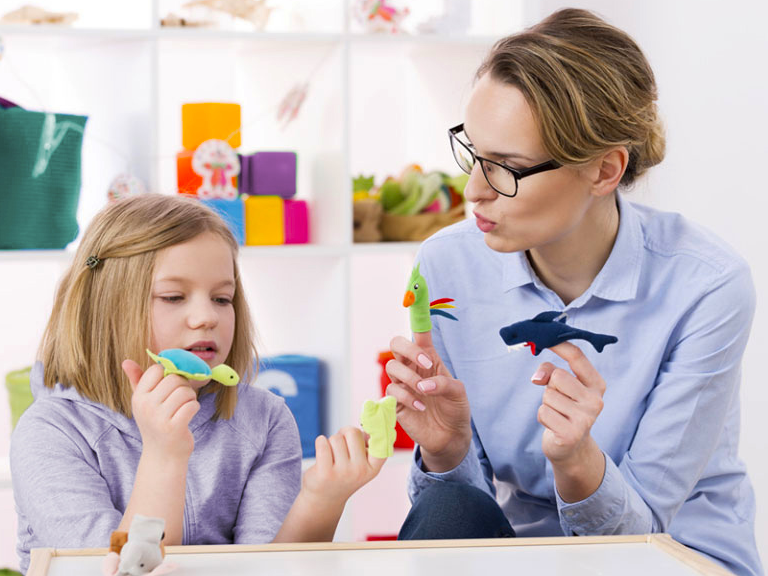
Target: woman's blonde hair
column 590, row 88
column 102, row 315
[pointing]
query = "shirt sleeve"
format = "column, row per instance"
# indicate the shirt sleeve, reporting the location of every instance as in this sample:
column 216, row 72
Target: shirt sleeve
column 273, row 483
column 475, row 469
column 59, row 488
column 685, row 418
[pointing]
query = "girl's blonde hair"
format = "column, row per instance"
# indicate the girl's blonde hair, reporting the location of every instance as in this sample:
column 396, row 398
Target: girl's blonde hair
column 102, row 315
column 590, row 88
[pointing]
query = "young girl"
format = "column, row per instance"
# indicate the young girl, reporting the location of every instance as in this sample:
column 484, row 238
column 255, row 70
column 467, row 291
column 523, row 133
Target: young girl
column 109, row 437
column 640, row 438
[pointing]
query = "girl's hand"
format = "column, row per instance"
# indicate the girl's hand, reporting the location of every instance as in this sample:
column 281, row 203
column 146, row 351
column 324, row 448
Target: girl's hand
column 342, row 466
column 570, row 405
column 163, row 408
column 432, row 406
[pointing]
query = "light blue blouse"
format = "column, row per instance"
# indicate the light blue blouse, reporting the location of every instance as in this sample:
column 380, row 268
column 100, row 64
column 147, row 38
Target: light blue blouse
column 681, row 303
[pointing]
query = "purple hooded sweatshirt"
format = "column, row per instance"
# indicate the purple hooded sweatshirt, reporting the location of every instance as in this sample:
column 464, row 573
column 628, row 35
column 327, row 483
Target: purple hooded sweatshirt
column 74, row 461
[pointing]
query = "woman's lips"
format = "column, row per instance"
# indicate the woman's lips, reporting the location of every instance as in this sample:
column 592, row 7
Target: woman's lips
column 484, row 224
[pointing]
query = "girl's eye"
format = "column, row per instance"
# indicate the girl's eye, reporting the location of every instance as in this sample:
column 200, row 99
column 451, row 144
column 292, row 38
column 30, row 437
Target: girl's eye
column 171, row 298
column 223, row 301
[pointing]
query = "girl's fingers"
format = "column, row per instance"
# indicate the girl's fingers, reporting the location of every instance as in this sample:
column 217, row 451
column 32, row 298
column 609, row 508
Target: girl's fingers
column 340, row 450
column 375, row 463
column 185, row 413
column 151, row 378
column 355, row 444
column 133, row 371
column 405, row 397
column 323, row 453
column 167, row 386
column 176, row 399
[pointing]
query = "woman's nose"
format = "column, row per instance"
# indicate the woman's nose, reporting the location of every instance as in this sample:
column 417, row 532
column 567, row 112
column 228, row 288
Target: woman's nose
column 477, row 187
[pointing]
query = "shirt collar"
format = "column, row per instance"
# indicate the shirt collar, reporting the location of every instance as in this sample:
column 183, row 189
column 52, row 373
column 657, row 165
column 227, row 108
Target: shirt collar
column 619, row 277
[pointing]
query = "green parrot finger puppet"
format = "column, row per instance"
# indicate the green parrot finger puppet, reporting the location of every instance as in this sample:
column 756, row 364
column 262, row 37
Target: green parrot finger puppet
column 378, row 420
column 421, row 309
column 186, row 364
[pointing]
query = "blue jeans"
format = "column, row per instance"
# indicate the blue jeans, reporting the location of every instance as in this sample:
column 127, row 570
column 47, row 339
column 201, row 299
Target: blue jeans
column 448, row 510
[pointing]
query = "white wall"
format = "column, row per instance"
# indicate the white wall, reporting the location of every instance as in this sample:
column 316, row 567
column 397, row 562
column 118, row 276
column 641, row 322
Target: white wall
column 709, row 61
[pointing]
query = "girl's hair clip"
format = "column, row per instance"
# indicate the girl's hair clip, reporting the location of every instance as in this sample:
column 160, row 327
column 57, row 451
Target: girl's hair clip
column 92, row 262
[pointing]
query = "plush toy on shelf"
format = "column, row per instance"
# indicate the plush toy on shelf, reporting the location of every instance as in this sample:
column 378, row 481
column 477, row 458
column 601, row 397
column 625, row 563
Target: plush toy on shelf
column 379, row 16
column 421, row 309
column 138, row 552
column 378, row 419
column 546, row 330
column 192, row 367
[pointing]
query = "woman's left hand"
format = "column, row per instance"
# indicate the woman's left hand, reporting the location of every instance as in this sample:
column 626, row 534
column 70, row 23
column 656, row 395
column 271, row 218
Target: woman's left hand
column 569, row 406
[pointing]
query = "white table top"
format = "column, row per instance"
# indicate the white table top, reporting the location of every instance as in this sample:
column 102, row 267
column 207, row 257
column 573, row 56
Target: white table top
column 625, row 555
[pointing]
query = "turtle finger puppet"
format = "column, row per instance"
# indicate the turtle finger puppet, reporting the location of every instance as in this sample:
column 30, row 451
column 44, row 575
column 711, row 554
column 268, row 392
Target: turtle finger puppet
column 546, row 330
column 378, row 419
column 421, row 309
column 186, row 364
column 138, row 552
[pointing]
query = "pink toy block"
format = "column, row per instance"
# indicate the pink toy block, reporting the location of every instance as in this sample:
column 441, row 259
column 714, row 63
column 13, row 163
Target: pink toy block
column 296, row 222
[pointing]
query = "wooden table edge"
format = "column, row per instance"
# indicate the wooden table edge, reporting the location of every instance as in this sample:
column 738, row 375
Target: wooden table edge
column 40, row 558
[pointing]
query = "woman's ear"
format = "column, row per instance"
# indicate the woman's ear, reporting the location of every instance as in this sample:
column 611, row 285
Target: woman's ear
column 609, row 169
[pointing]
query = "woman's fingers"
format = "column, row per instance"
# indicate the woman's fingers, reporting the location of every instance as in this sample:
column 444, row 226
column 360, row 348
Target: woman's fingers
column 405, row 397
column 580, row 364
column 407, row 351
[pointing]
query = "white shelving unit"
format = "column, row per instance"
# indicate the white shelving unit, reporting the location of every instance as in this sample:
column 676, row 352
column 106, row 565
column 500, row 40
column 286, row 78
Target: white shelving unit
column 374, row 105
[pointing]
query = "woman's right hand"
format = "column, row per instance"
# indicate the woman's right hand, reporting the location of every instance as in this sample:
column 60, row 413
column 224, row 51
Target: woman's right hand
column 163, row 408
column 432, row 406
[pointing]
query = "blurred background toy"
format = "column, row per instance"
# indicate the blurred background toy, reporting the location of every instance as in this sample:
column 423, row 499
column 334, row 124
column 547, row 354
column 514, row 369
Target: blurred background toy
column 379, row 16
column 412, row 207
column 124, row 185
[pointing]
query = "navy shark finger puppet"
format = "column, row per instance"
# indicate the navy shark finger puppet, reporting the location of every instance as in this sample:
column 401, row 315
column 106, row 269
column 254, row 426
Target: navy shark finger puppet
column 546, row 330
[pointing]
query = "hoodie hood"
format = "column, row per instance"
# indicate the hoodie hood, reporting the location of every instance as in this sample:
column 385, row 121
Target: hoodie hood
column 126, row 425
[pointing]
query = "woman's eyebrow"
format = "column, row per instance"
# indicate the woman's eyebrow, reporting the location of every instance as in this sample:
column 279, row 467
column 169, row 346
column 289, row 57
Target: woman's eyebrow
column 502, row 154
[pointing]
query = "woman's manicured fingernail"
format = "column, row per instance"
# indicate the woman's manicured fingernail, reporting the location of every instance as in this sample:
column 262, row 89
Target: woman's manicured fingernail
column 538, row 375
column 425, row 361
column 426, row 385
column 419, row 406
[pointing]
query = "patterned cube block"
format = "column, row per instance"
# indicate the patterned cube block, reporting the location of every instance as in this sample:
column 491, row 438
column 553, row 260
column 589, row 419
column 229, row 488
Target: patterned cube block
column 297, row 379
column 187, row 180
column 232, row 212
column 206, row 120
column 264, row 220
column 296, row 222
column 268, row 173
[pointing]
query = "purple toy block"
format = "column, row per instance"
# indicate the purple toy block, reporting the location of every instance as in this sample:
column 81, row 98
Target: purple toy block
column 268, row 174
column 296, row 216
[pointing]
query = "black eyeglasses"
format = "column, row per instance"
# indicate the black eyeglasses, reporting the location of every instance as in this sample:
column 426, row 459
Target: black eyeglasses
column 501, row 178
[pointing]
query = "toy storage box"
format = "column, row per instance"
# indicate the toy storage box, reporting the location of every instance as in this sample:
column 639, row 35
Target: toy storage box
column 298, row 380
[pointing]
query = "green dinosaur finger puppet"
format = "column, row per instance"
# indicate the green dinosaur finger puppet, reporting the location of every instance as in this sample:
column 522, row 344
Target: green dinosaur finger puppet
column 184, row 363
column 378, row 420
column 421, row 309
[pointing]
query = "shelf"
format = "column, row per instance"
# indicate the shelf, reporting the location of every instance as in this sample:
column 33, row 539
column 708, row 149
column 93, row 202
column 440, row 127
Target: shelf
column 170, row 33
column 284, row 251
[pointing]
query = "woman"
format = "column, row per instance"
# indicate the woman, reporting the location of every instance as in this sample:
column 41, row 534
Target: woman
column 640, row 438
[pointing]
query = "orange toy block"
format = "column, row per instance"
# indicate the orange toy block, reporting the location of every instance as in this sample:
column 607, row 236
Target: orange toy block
column 188, row 180
column 208, row 120
column 264, row 220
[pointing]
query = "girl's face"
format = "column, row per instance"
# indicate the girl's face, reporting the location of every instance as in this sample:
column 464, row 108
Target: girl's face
column 548, row 206
column 192, row 292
